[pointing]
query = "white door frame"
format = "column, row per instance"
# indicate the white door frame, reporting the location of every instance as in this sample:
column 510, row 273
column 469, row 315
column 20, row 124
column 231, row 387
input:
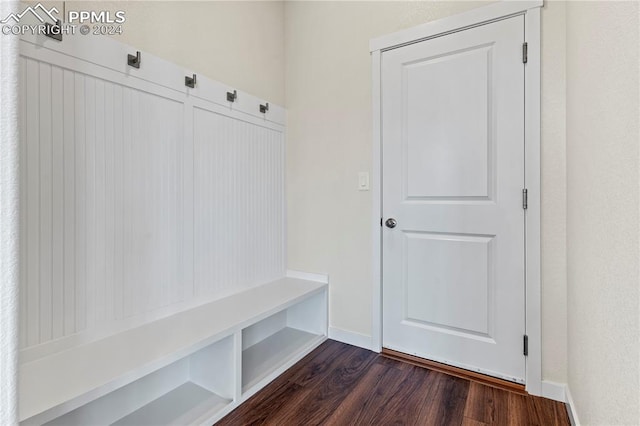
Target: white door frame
column 482, row 15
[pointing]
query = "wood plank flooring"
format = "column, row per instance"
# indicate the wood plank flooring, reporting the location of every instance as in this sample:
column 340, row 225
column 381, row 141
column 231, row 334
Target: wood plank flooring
column 339, row 384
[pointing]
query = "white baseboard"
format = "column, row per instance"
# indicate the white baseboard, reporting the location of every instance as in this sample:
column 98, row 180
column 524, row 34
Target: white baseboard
column 319, row 278
column 554, row 390
column 571, row 408
column 350, row 337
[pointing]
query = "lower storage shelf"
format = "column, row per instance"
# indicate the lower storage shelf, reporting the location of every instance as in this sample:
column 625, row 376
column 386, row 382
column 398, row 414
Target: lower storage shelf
column 266, row 356
column 253, row 337
column 181, row 406
column 192, row 390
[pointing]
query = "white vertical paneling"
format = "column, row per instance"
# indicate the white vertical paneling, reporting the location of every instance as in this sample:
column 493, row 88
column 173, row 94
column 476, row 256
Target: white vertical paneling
column 176, row 288
column 57, row 204
column 152, row 135
column 128, row 170
column 118, row 207
column 139, row 258
column 32, row 211
column 24, row 196
column 149, row 292
column 237, row 183
column 188, row 241
column 69, row 227
column 45, row 201
column 168, row 242
column 207, row 267
column 135, row 200
column 99, row 216
column 142, row 257
column 81, row 276
column 109, row 203
column 90, row 203
column 175, row 138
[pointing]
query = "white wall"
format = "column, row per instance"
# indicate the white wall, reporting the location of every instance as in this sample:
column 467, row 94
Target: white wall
column 328, row 97
column 603, row 211
column 554, row 193
column 239, row 43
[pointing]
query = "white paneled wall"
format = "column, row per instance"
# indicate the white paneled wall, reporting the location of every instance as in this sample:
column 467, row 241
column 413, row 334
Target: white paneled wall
column 137, row 199
column 238, row 174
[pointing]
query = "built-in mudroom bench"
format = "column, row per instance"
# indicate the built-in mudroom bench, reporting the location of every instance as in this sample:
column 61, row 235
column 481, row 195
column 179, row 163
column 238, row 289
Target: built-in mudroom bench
column 153, row 267
column 189, row 368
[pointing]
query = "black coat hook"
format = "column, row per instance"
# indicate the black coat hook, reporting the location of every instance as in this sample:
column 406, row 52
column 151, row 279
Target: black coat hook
column 190, row 81
column 232, row 96
column 54, row 31
column 134, row 61
column 264, row 108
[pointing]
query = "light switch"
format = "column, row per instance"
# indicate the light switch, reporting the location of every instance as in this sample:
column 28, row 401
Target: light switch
column 363, row 181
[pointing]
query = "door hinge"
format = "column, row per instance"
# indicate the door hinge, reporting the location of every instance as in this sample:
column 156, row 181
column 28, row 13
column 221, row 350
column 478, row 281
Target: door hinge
column 525, row 199
column 525, row 349
column 525, row 56
column 380, row 222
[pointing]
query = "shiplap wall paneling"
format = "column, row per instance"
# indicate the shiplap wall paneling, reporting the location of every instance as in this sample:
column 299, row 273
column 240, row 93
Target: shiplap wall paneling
column 138, row 200
column 239, row 203
column 152, row 202
column 101, row 185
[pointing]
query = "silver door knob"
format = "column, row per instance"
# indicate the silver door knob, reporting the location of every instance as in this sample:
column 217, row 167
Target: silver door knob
column 391, row 222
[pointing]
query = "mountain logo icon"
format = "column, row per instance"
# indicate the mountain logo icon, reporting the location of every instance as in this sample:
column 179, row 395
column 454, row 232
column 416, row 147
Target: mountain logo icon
column 39, row 11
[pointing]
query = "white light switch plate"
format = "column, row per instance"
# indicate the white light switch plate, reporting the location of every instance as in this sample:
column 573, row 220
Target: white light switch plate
column 363, row 181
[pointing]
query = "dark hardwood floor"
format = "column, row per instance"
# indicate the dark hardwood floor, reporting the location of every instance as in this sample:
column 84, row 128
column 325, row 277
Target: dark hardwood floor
column 338, row 384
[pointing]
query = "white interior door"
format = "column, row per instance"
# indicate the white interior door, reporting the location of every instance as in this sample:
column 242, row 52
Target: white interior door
column 453, row 176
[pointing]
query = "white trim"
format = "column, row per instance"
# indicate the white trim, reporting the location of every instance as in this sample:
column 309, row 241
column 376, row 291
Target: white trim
column 531, row 11
column 554, row 390
column 350, row 337
column 474, row 17
column 110, row 54
column 571, row 408
column 376, row 195
column 308, row 276
column 158, row 87
column 532, row 214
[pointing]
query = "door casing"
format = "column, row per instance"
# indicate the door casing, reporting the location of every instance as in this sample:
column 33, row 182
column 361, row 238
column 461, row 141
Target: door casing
column 472, row 18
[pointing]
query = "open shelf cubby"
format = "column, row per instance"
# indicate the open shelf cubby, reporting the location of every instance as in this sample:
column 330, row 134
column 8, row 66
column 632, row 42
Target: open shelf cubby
column 273, row 344
column 188, row 391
